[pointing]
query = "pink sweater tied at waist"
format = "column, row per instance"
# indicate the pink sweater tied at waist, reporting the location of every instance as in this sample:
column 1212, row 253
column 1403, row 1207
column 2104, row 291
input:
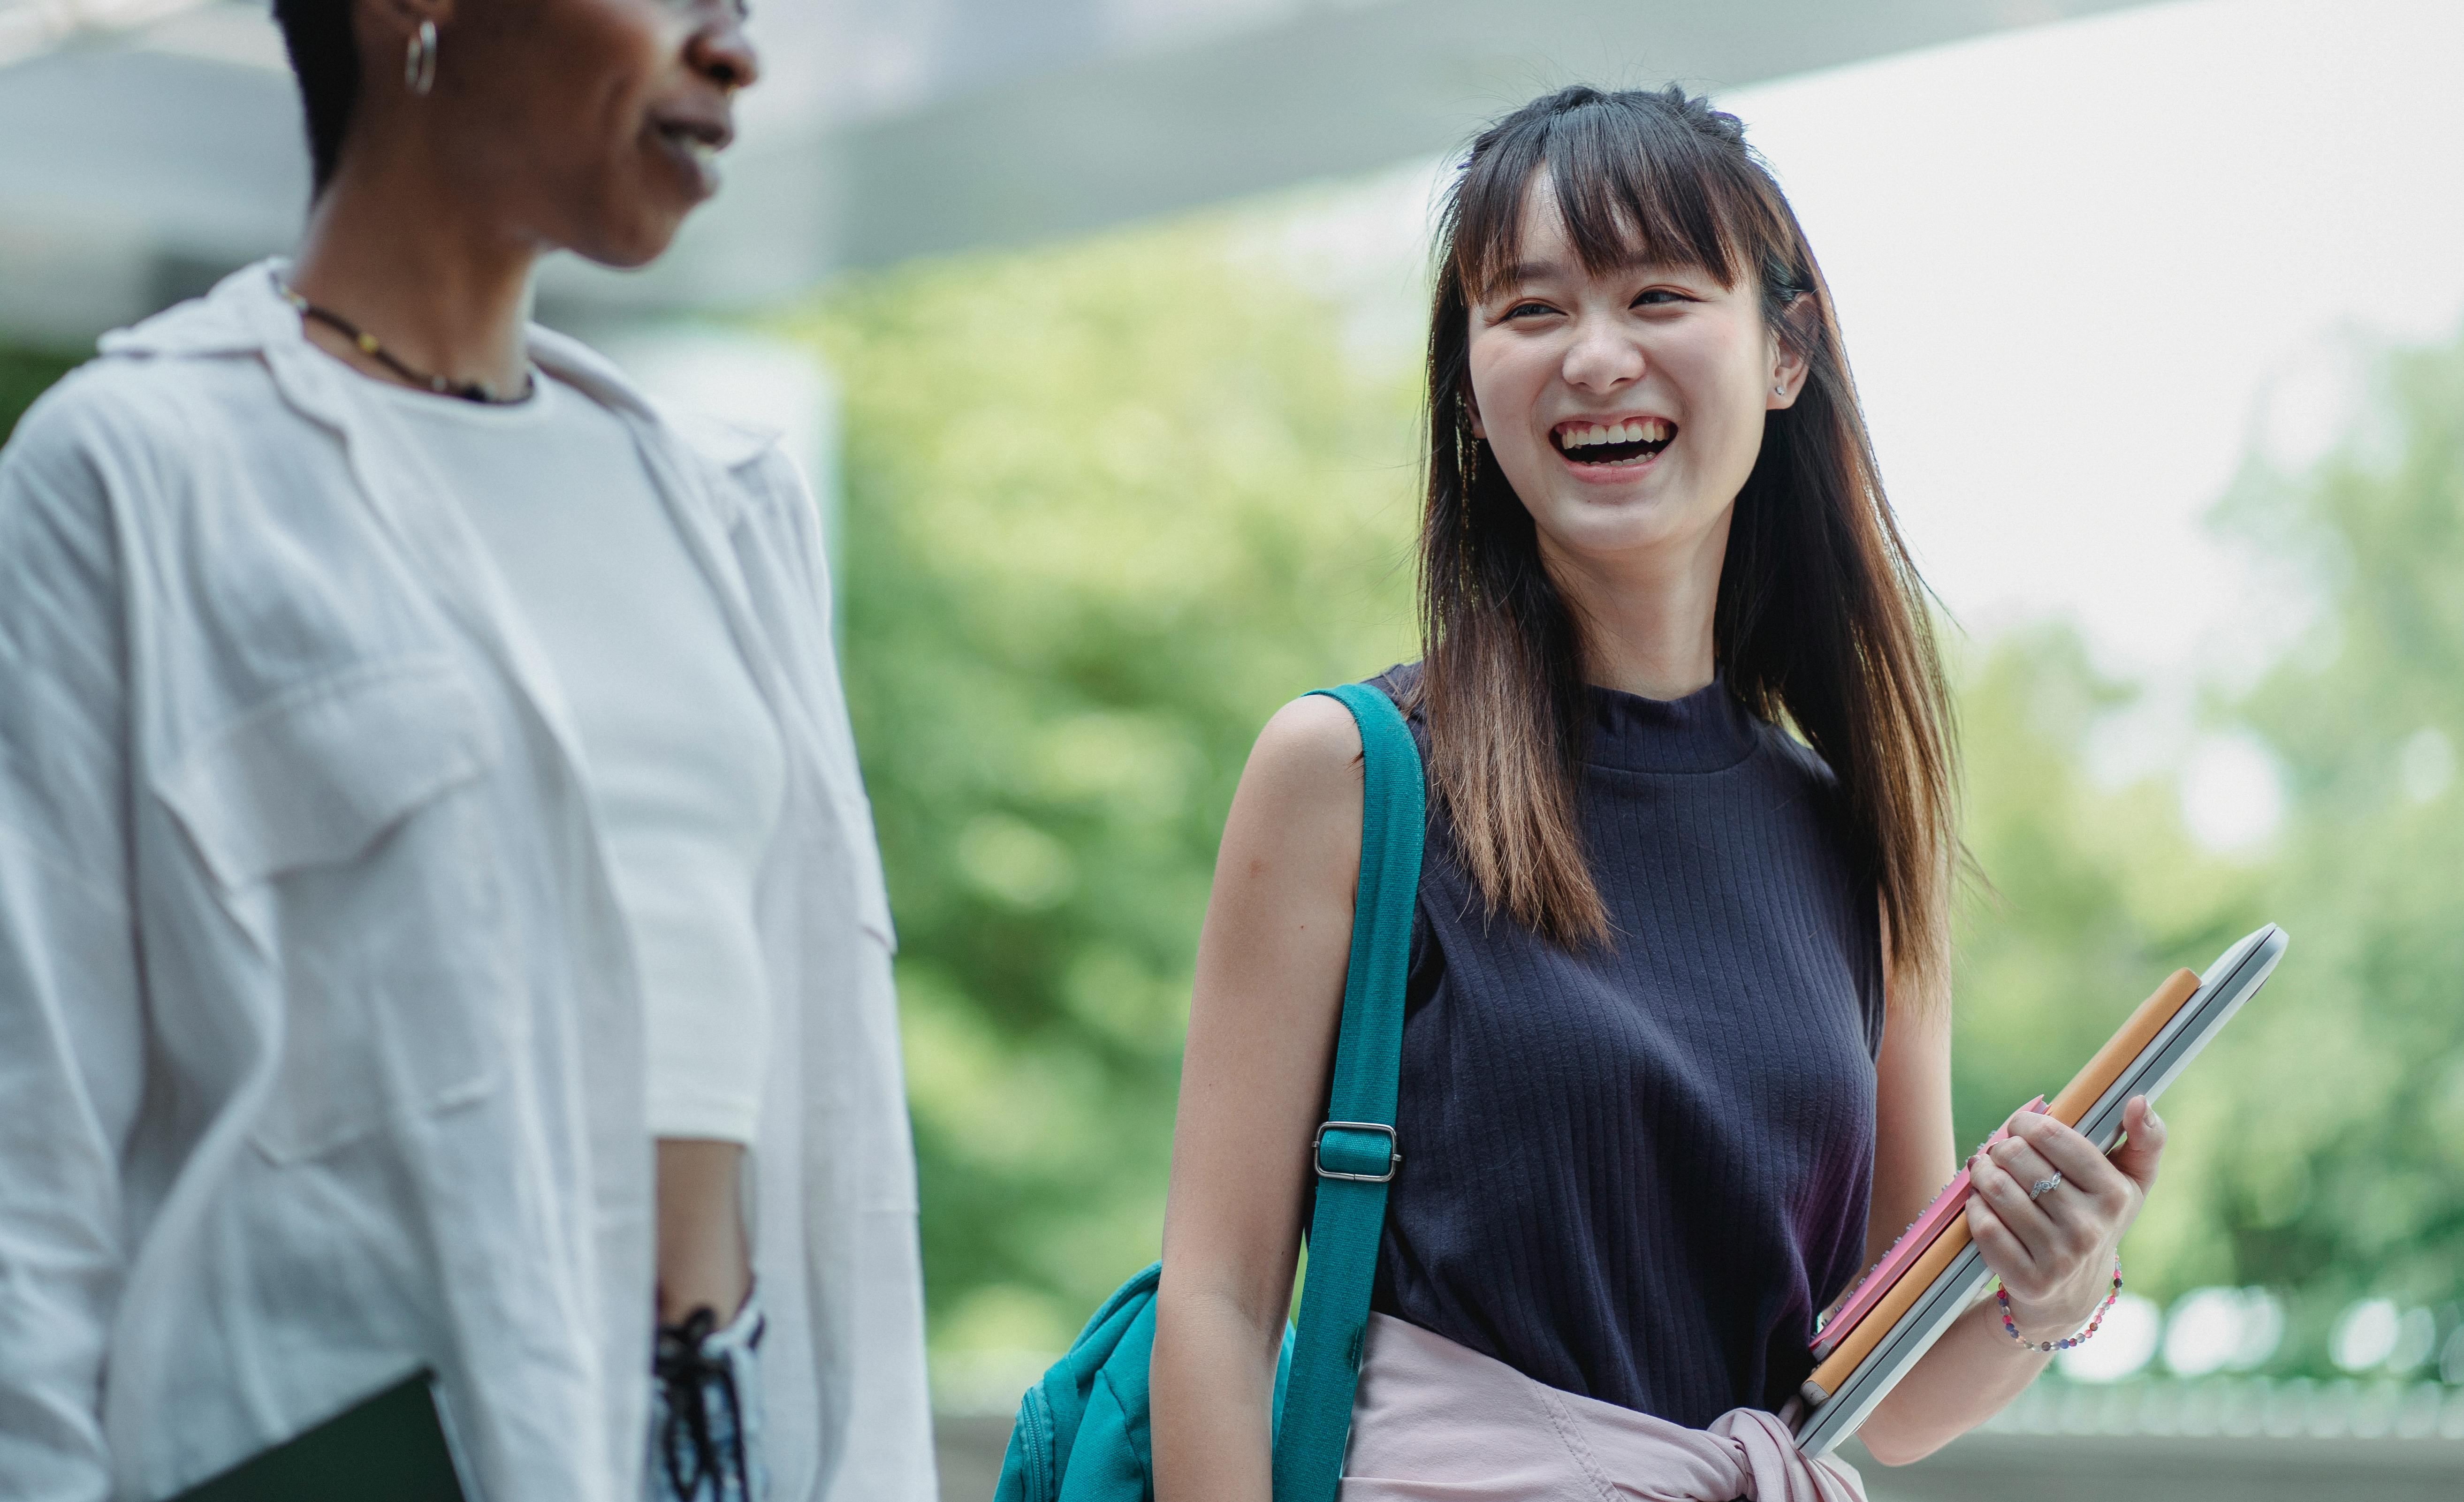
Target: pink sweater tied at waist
column 1435, row 1421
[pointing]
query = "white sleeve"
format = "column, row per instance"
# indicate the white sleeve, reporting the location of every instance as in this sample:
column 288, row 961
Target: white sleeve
column 792, row 494
column 71, row 1003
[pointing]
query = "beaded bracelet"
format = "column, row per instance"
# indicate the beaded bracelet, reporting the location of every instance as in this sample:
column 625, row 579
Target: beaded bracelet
column 2002, row 1296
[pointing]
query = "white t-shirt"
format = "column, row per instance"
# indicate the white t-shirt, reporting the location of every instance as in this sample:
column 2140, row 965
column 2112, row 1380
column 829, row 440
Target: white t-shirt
column 683, row 760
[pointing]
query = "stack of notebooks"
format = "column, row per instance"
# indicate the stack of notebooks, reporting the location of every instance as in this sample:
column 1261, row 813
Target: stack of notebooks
column 1931, row 1275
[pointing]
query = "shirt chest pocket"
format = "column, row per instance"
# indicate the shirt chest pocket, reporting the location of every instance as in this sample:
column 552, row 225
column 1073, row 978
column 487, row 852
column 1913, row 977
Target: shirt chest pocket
column 340, row 824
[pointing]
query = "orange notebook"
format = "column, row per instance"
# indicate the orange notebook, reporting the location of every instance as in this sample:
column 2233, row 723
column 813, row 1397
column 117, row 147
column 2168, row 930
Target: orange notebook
column 1882, row 1325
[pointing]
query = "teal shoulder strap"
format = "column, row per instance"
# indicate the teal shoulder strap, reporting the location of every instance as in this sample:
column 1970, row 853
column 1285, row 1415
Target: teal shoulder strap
column 1357, row 1154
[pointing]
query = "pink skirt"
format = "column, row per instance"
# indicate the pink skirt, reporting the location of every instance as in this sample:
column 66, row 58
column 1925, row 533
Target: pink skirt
column 1435, row 1421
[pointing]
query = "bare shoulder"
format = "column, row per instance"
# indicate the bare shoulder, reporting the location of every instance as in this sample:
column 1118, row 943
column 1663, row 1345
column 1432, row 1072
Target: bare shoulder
column 1295, row 822
column 1311, row 745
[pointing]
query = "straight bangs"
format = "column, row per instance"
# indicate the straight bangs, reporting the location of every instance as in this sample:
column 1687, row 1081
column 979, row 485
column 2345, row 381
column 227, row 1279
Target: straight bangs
column 1821, row 623
column 1631, row 190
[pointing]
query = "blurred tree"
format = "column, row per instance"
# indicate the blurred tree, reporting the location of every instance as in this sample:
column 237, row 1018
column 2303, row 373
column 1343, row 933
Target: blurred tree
column 1107, row 507
column 2088, row 895
column 2345, row 1172
column 2318, row 1149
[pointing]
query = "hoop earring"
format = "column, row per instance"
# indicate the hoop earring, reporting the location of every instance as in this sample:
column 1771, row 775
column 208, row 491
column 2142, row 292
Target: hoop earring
column 419, row 61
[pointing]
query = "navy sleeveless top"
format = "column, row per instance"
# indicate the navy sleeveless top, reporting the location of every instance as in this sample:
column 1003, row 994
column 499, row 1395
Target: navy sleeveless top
column 1635, row 1171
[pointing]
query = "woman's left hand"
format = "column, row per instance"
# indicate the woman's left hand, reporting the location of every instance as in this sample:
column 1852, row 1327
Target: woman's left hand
column 2054, row 1253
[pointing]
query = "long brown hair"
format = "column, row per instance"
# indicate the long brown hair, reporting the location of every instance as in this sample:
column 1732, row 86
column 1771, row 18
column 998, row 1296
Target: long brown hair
column 1820, row 620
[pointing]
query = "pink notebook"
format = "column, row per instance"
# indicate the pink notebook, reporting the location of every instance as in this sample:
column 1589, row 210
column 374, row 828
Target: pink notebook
column 1835, row 1323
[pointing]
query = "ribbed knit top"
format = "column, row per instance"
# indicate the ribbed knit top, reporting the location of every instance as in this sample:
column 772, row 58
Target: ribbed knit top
column 1635, row 1171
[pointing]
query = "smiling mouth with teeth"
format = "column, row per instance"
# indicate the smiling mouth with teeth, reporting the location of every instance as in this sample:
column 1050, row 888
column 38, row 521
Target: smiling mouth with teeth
column 1614, row 443
column 700, row 147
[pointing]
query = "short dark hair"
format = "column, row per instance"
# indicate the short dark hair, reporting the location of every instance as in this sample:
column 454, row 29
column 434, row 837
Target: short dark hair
column 325, row 59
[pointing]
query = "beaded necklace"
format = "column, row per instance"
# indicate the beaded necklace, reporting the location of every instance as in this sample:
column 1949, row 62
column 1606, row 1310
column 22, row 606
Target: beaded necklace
column 367, row 343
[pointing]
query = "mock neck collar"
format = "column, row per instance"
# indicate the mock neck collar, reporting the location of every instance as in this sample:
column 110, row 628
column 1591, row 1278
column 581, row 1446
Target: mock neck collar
column 1707, row 730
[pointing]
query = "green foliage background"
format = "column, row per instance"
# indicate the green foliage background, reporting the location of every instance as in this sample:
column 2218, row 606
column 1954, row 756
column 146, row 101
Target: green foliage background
column 1108, row 504
column 24, row 375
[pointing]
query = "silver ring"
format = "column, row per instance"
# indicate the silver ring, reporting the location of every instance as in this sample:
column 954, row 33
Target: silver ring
column 2042, row 1185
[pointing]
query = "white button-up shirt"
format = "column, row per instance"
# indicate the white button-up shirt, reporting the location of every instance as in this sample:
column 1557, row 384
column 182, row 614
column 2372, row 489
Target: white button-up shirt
column 320, row 1053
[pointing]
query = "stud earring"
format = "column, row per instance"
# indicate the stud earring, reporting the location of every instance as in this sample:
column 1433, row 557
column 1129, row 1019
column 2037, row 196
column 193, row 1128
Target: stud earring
column 1780, row 390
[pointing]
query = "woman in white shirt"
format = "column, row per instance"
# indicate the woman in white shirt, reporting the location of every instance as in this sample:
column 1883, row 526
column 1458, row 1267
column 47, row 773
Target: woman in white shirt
column 440, row 925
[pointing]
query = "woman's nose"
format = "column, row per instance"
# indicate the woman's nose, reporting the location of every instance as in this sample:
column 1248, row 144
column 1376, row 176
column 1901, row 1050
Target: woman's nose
column 721, row 52
column 1602, row 357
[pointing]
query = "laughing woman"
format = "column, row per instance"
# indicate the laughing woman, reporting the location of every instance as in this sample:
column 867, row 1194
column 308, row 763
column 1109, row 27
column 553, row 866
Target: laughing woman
column 440, row 925
column 1676, row 1051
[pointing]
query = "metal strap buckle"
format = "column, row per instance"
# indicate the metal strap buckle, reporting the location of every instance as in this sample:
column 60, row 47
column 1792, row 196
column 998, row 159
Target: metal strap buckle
column 1394, row 1153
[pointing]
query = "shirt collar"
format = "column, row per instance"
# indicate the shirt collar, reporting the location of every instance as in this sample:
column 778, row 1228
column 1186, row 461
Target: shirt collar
column 245, row 313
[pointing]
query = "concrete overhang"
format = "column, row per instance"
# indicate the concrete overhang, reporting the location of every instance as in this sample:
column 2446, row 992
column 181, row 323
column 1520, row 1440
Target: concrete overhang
column 148, row 150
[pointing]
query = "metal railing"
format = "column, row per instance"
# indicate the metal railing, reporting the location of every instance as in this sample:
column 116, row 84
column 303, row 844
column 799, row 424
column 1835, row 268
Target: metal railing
column 2238, row 1408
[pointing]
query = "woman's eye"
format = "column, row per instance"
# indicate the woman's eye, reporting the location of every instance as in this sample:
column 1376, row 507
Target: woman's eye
column 1659, row 296
column 1523, row 309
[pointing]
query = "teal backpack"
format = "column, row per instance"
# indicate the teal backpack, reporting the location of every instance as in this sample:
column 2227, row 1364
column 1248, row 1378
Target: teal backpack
column 1081, row 1432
